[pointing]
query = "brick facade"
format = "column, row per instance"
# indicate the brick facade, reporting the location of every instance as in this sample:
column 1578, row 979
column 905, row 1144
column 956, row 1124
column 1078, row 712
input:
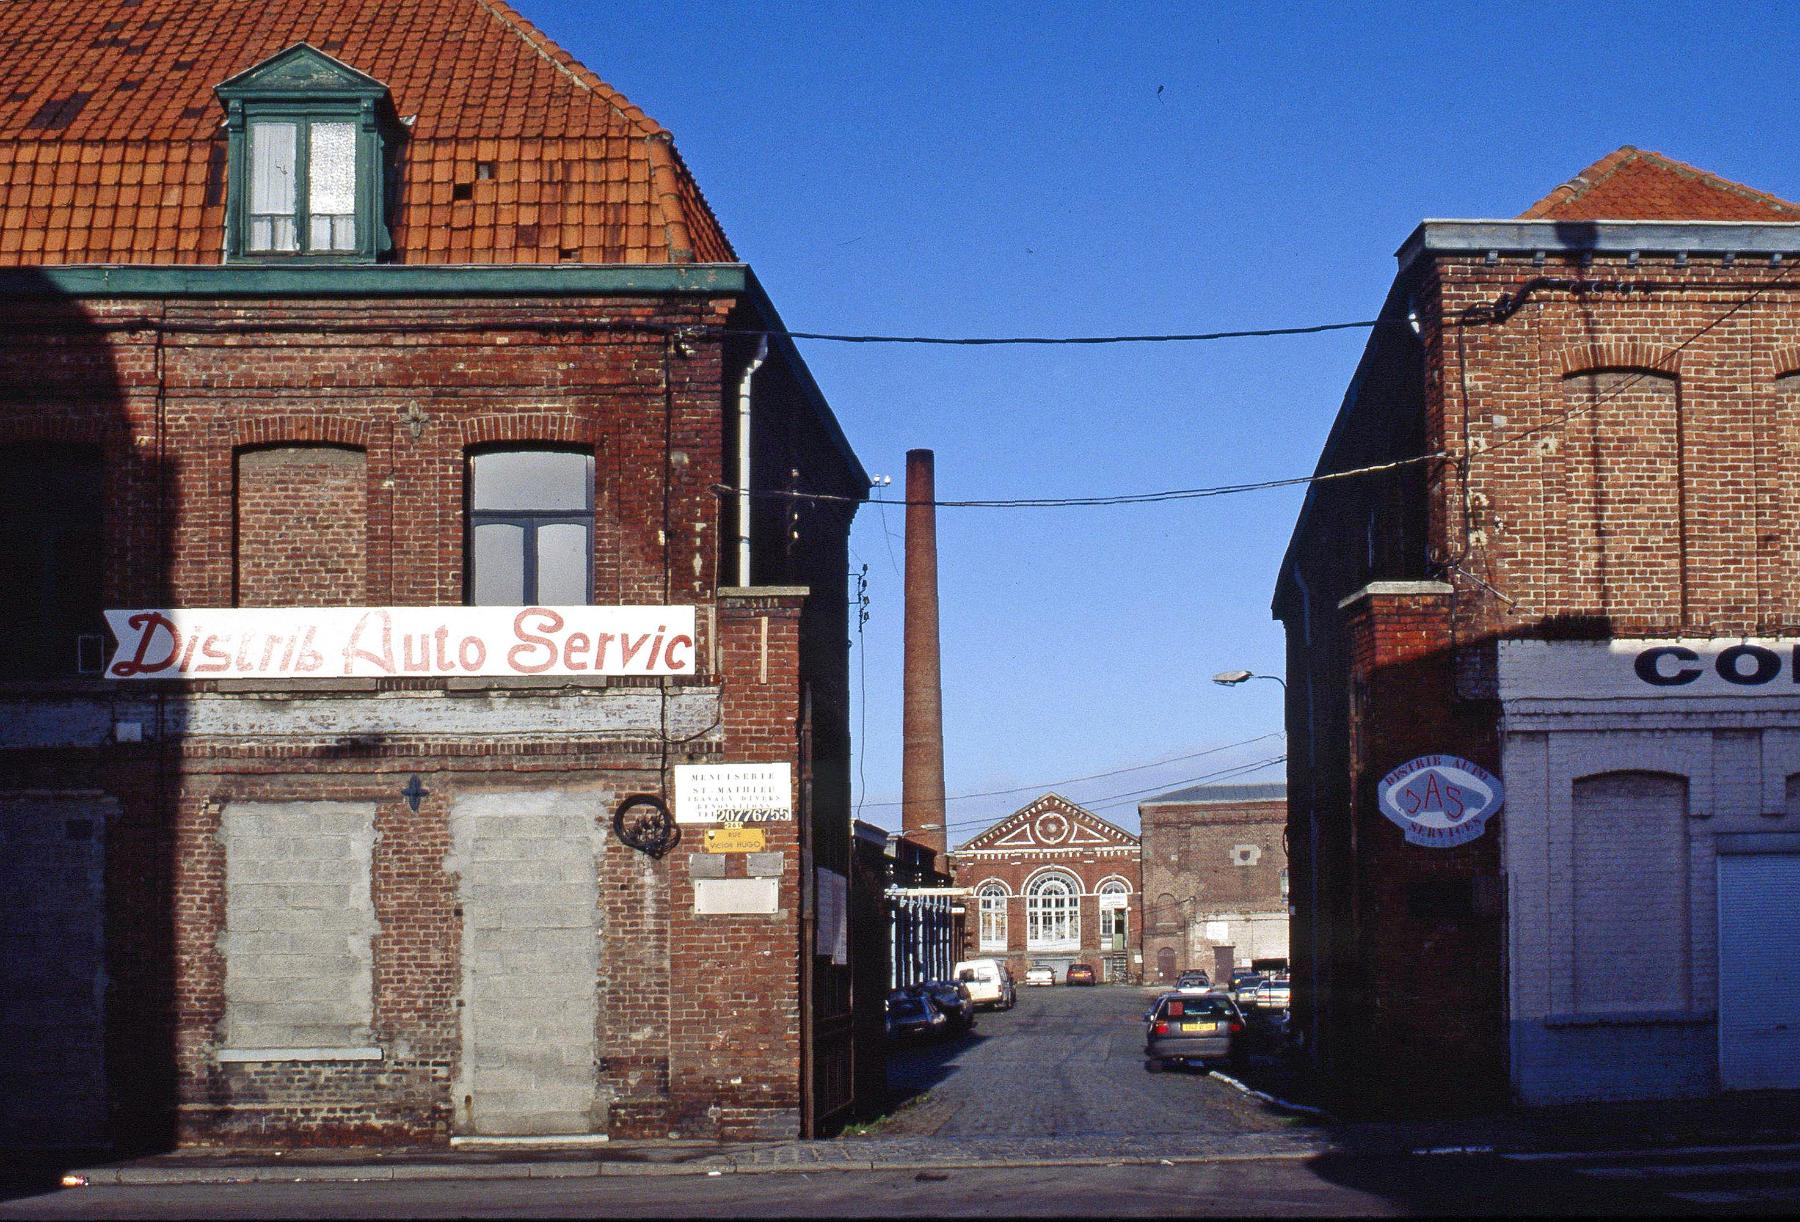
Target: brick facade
column 314, row 451
column 396, row 909
column 1053, row 838
column 1215, row 878
column 1614, row 425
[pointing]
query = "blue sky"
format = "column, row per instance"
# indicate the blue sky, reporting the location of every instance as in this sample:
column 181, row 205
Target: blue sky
column 1129, row 168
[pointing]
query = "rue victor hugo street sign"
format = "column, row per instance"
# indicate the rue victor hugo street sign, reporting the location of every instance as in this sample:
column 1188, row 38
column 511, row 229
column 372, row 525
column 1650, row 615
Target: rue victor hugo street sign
column 1440, row 800
column 363, row 642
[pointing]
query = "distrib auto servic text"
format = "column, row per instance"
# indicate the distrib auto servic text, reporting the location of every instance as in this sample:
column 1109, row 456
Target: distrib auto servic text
column 351, row 642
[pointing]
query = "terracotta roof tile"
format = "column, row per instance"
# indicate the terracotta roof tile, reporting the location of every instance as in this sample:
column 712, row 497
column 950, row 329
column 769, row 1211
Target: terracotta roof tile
column 483, row 83
column 1633, row 184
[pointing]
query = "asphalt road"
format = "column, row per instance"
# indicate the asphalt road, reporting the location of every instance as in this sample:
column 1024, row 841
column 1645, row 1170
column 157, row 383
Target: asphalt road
column 1065, row 1062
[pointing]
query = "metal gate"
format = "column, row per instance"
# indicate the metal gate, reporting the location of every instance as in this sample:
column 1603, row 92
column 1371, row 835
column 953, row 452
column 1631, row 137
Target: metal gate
column 1759, row 973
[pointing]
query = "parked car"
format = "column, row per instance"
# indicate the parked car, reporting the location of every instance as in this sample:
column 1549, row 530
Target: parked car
column 910, row 1016
column 1243, row 987
column 953, row 1000
column 1274, row 993
column 1156, row 1002
column 1196, row 981
column 1080, row 973
column 1192, row 1029
column 989, row 982
column 1040, row 975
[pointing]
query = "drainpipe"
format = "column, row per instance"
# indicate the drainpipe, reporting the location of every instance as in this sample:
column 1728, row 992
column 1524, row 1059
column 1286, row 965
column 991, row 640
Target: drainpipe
column 743, row 477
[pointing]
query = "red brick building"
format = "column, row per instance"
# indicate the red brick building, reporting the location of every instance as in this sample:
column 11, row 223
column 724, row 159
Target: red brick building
column 1578, row 577
column 1053, row 884
column 1215, row 878
column 397, row 308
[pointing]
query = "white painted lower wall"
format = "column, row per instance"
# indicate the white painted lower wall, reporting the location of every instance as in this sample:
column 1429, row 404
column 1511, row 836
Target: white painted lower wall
column 1648, row 889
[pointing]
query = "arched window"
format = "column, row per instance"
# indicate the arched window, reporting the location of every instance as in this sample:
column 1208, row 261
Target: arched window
column 1115, row 914
column 1053, row 913
column 992, row 899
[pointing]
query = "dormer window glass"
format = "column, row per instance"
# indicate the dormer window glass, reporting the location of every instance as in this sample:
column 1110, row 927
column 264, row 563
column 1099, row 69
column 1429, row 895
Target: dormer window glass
column 308, row 145
column 283, row 155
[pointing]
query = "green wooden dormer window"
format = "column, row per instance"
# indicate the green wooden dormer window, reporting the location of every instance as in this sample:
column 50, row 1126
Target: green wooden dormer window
column 309, row 144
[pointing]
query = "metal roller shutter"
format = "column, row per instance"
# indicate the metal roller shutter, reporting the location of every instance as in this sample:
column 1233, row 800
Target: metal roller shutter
column 1759, row 972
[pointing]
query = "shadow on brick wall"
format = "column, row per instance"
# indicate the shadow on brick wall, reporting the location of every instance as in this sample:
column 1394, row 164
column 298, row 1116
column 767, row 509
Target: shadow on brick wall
column 87, row 998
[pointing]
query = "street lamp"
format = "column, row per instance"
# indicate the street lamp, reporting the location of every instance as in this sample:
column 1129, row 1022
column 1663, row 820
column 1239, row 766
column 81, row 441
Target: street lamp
column 1231, row 678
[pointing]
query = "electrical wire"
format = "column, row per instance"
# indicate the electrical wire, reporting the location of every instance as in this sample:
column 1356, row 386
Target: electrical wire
column 989, row 341
column 1081, row 502
column 1114, row 799
column 1040, row 786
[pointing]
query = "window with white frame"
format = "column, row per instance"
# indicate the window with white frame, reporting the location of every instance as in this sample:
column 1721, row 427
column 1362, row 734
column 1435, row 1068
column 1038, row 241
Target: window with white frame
column 1053, row 913
column 1115, row 914
column 992, row 899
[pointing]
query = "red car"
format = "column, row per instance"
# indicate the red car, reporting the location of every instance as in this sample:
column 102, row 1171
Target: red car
column 1080, row 973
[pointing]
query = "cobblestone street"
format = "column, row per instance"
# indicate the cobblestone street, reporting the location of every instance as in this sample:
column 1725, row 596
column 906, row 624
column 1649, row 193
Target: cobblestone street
column 1064, row 1063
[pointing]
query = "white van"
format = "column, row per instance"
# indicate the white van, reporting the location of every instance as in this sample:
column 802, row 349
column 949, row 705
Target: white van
column 989, row 983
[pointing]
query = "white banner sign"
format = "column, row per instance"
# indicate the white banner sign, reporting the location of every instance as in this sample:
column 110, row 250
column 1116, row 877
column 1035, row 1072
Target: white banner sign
column 1650, row 669
column 363, row 642
column 734, row 793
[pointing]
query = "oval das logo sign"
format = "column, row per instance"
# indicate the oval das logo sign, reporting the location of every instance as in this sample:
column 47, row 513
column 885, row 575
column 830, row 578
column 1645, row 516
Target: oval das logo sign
column 1440, row 800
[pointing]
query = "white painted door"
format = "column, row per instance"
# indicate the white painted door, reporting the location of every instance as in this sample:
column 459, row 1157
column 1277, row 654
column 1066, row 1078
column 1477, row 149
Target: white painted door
column 1759, row 973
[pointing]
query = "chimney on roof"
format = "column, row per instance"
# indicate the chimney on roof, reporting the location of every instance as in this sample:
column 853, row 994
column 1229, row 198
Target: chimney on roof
column 922, row 724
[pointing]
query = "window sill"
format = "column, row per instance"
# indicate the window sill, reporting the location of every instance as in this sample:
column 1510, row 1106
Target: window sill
column 1632, row 1018
column 251, row 1056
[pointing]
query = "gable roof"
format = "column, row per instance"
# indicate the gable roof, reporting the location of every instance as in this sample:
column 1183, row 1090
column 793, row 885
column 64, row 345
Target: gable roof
column 112, row 150
column 1634, row 184
column 1068, row 827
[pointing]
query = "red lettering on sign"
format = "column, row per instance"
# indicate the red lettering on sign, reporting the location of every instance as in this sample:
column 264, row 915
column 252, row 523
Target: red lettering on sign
column 515, row 657
column 148, row 623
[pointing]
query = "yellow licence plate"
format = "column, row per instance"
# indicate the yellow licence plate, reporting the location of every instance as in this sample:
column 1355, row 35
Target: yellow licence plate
column 1199, row 1028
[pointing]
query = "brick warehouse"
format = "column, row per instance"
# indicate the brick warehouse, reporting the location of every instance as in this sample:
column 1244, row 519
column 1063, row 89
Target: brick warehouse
column 1215, row 878
column 396, row 306
column 1055, row 884
column 1586, row 589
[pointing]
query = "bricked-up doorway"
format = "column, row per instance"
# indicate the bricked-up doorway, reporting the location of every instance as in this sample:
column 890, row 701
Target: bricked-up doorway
column 530, row 961
column 52, row 973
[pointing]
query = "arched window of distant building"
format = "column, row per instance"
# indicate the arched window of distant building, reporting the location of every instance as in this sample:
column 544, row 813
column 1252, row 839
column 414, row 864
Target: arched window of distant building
column 1053, row 913
column 1115, row 914
column 992, row 898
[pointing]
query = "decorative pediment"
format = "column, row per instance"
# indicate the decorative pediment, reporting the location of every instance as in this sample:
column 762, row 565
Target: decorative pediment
column 1051, row 823
column 302, row 70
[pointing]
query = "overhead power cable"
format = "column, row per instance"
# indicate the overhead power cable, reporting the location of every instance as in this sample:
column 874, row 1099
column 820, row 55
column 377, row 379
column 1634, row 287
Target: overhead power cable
column 1074, row 502
column 1114, row 799
column 990, row 341
column 1040, row 786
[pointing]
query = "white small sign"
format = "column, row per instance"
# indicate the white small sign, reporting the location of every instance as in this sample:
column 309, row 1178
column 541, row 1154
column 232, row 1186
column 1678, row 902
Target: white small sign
column 364, row 642
column 734, row 793
column 1440, row 800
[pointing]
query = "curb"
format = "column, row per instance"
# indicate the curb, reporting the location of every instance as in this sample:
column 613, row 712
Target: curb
column 1299, row 1108
column 140, row 1177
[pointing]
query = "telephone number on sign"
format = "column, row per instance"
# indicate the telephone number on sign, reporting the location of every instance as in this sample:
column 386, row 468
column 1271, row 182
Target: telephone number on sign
column 752, row 814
